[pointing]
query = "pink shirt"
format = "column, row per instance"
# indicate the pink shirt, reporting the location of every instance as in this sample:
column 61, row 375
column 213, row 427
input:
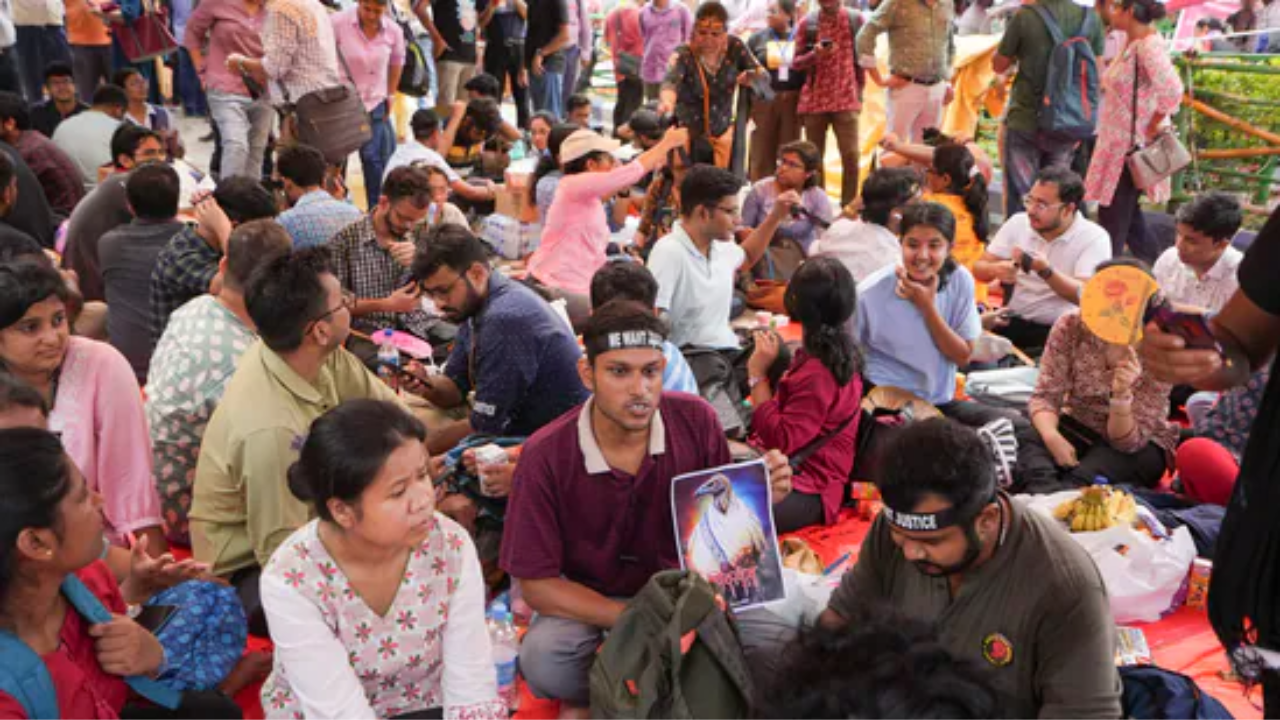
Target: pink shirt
column 370, row 61
column 98, row 411
column 220, row 28
column 576, row 231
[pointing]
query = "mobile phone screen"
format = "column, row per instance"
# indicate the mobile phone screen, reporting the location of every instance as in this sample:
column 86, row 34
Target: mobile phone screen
column 155, row 617
column 1191, row 327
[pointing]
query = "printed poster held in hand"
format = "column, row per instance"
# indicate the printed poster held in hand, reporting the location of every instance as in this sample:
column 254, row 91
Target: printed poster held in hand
column 725, row 532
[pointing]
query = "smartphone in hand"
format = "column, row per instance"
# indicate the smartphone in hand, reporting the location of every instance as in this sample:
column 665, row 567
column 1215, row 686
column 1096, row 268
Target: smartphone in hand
column 1192, row 327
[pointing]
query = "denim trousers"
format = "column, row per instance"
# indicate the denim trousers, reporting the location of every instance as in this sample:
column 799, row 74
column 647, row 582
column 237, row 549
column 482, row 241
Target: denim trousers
column 375, row 153
column 545, row 90
column 243, row 126
column 39, row 45
column 1026, row 153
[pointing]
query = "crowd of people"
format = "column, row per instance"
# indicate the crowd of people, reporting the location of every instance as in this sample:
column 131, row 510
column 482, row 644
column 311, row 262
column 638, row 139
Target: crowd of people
column 348, row 423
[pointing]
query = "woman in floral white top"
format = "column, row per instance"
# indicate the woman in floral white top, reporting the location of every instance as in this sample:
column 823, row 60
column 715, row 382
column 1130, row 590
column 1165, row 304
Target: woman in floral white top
column 377, row 607
column 1144, row 68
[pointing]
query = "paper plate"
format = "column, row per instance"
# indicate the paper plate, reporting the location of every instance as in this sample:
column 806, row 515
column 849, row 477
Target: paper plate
column 1114, row 302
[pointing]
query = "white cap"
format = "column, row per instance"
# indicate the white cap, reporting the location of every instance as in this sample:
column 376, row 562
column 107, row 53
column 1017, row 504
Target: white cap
column 584, row 142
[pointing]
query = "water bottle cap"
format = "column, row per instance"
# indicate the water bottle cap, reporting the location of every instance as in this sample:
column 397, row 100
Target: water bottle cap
column 1101, row 480
column 388, row 333
column 497, row 610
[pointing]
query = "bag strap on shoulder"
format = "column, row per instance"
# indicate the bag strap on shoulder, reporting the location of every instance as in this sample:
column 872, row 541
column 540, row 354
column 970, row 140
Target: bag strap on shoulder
column 24, row 677
column 92, row 610
column 1050, row 23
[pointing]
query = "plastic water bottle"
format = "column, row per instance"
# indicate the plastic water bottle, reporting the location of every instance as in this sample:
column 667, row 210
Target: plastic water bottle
column 506, row 648
column 388, row 359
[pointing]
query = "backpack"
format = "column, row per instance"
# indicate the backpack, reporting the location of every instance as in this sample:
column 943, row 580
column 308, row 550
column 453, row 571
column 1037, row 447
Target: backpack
column 24, row 677
column 1151, row 692
column 672, row 654
column 415, row 77
column 855, row 24
column 1070, row 104
column 205, row 638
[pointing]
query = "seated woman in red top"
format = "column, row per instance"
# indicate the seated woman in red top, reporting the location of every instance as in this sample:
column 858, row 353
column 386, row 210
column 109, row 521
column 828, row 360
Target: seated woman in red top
column 51, row 527
column 812, row 416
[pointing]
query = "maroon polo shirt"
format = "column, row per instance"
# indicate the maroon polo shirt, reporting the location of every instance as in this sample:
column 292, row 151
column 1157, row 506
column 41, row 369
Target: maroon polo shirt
column 572, row 515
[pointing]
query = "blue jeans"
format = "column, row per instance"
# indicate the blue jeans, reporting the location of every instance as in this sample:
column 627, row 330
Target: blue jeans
column 572, row 68
column 1025, row 155
column 193, row 97
column 545, row 90
column 243, row 128
column 39, row 45
column 375, row 153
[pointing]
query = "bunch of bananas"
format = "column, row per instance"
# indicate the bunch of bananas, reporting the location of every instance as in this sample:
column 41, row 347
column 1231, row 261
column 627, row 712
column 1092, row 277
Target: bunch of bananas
column 1098, row 507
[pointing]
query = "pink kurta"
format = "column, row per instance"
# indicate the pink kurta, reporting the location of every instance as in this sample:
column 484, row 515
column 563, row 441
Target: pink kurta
column 1159, row 93
column 98, row 411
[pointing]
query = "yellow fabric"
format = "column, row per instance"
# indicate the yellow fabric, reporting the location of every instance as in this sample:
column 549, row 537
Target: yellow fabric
column 242, row 509
column 972, row 78
column 967, row 248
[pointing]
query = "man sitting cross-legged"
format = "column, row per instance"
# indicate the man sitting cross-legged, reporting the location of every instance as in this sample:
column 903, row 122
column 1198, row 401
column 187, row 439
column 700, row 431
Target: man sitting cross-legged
column 589, row 521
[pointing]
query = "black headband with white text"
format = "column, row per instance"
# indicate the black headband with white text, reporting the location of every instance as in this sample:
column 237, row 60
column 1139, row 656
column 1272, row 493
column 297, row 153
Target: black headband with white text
column 625, row 340
column 928, row 522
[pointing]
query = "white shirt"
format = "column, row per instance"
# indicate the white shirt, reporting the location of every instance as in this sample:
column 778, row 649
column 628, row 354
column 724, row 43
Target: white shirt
column 1076, row 252
column 695, row 290
column 1211, row 292
column 415, row 152
column 86, row 138
column 863, row 247
column 38, row 12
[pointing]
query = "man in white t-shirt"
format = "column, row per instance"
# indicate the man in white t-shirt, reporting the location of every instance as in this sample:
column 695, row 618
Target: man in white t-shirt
column 1046, row 253
column 425, row 125
column 1199, row 272
column 696, row 264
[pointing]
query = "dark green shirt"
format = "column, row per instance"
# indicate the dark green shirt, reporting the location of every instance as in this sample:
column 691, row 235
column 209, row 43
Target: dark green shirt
column 1027, row 41
column 1035, row 615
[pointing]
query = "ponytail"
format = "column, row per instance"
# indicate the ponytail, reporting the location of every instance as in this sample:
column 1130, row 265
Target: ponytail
column 822, row 297
column 975, row 201
column 957, row 163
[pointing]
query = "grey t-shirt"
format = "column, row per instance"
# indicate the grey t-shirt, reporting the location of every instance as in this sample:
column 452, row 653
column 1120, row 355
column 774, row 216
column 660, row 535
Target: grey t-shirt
column 128, row 255
column 1035, row 615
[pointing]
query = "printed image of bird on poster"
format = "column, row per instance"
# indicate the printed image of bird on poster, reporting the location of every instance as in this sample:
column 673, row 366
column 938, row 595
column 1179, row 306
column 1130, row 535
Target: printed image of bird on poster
column 725, row 532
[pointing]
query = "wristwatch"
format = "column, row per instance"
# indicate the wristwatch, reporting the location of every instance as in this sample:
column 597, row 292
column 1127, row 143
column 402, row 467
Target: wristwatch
column 1046, row 273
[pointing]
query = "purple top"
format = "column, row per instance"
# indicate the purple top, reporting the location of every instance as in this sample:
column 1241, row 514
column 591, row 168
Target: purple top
column 764, row 194
column 663, row 31
column 370, row 61
column 572, row 515
column 219, row 28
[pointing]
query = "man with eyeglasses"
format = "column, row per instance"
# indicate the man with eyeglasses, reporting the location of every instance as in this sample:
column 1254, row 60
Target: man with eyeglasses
column 372, row 258
column 697, row 263
column 241, row 507
column 1046, row 254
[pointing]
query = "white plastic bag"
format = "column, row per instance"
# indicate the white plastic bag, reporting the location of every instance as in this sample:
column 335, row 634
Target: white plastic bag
column 1142, row 574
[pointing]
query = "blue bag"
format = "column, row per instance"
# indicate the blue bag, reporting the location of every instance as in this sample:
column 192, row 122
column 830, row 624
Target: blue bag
column 205, row 638
column 1070, row 104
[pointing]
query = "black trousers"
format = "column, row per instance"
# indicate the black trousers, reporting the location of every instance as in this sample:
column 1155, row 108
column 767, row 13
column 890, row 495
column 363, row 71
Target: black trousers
column 630, row 97
column 1040, row 475
column 245, row 582
column 503, row 61
column 1124, row 222
column 1026, row 335
column 798, row 510
column 195, row 704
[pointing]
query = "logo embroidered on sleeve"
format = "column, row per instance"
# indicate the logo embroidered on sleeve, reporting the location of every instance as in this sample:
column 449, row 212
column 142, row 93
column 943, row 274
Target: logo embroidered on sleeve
column 997, row 649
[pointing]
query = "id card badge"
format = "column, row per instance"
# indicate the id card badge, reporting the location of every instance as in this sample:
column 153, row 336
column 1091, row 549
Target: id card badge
column 784, row 72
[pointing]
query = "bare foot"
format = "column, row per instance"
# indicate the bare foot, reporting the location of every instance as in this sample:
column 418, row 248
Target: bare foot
column 252, row 668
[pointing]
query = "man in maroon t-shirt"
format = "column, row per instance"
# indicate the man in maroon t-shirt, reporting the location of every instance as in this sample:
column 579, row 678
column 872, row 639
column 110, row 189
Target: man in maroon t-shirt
column 589, row 518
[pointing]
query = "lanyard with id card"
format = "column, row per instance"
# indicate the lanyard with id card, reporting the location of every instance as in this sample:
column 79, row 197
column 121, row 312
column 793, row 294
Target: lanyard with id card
column 779, row 54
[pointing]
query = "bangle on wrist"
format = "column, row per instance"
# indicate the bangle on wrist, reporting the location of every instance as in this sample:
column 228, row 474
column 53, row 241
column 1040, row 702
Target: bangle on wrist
column 752, row 382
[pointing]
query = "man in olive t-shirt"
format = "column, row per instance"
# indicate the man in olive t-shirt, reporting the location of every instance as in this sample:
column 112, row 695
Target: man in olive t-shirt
column 1007, row 588
column 1028, row 44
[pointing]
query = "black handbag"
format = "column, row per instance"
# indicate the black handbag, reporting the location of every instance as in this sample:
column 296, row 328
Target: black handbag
column 333, row 120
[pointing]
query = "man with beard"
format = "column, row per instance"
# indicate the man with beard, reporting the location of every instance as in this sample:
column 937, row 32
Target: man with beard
column 1046, row 253
column 589, row 521
column 515, row 361
column 241, row 507
column 1006, row 586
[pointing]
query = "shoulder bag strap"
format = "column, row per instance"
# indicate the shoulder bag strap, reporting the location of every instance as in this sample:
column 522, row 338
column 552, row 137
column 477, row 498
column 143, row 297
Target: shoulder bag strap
column 803, row 454
column 347, row 68
column 92, row 610
column 1133, row 120
column 706, row 94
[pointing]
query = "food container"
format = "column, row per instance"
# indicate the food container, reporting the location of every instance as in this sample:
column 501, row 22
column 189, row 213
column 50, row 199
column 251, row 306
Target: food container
column 1198, row 583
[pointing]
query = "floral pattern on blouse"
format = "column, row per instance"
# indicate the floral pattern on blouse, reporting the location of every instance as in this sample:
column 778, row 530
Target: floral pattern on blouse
column 398, row 657
column 685, row 79
column 1075, row 379
column 1231, row 420
column 1159, row 93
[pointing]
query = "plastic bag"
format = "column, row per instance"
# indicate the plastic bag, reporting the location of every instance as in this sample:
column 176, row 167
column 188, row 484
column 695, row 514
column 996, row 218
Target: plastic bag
column 1142, row 575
